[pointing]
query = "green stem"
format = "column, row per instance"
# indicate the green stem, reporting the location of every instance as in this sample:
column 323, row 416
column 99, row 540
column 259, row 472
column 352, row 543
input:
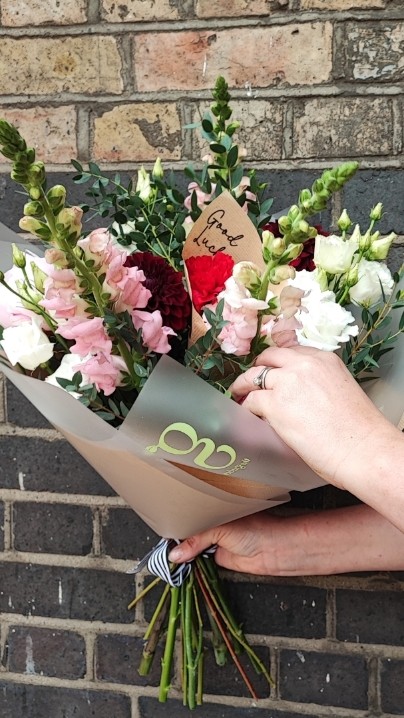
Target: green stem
column 152, row 634
column 143, row 593
column 167, row 659
column 187, row 628
column 128, row 359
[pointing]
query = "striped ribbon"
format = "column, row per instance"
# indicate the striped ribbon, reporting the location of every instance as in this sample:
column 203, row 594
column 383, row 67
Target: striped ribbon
column 157, row 563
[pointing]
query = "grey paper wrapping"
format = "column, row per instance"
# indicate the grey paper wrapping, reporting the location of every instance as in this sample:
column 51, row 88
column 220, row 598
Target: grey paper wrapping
column 173, row 503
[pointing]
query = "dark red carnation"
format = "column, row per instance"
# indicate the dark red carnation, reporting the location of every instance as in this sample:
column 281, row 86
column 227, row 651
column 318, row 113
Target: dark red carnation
column 166, row 285
column 305, row 259
column 207, row 275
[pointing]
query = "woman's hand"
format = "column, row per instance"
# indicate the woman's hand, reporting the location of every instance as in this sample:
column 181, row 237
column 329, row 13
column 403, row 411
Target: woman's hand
column 317, row 408
column 355, row 538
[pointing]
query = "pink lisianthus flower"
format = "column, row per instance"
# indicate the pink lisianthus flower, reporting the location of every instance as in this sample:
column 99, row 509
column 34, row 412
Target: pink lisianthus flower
column 154, row 334
column 202, row 198
column 90, row 336
column 104, row 370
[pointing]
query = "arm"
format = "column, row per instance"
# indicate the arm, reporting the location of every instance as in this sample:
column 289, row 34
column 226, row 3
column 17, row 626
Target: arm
column 315, row 405
column 356, row 538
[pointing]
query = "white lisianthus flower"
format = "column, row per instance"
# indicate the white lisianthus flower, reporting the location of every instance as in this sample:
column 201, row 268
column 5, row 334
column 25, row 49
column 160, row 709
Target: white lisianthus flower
column 334, row 254
column 372, row 276
column 26, row 344
column 66, row 370
column 325, row 325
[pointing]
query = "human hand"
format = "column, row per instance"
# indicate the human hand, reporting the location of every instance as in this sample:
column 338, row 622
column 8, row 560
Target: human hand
column 314, row 404
column 244, row 545
column 353, row 538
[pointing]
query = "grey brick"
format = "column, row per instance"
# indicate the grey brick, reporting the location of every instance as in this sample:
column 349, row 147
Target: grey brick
column 52, row 528
column 49, row 652
column 151, row 708
column 25, row 701
column 118, row 658
column 370, row 617
column 20, row 411
column 392, row 686
column 47, row 466
column 60, row 592
column 125, row 535
column 323, row 678
column 279, row 610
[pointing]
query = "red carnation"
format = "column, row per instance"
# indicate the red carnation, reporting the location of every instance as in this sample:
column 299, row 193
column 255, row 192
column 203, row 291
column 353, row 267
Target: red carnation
column 305, row 259
column 207, row 276
column 167, row 288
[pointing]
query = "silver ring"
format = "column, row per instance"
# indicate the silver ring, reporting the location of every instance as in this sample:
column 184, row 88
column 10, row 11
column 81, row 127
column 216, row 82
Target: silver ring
column 259, row 380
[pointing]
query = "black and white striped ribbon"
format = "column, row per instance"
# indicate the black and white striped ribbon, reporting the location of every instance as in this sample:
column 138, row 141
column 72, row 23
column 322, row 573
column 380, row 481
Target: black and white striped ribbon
column 158, row 564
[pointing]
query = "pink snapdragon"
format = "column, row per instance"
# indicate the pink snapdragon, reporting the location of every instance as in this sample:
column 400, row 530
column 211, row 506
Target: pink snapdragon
column 97, row 247
column 241, row 312
column 125, row 284
column 104, row 370
column 202, row 198
column 90, row 336
column 62, row 294
column 154, row 334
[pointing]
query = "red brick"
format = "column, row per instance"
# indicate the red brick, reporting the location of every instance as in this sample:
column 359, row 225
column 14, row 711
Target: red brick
column 294, row 55
column 50, row 130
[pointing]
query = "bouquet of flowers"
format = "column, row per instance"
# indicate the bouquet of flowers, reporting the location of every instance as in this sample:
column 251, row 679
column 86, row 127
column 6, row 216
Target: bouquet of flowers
column 117, row 334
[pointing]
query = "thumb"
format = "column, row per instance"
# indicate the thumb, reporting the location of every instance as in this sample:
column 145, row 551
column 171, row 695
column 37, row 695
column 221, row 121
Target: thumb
column 192, row 547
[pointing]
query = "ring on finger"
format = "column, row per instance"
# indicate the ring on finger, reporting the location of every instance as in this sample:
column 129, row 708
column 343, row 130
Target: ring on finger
column 259, row 380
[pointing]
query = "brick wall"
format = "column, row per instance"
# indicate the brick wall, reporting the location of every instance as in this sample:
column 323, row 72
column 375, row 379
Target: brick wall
column 314, row 81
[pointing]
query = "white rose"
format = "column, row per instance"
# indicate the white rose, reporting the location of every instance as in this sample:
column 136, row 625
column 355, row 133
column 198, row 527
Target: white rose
column 334, row 254
column 66, row 370
column 325, row 325
column 27, row 344
column 372, row 276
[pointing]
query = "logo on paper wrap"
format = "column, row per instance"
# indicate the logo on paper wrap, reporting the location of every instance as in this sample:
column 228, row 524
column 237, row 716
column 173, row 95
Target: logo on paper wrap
column 205, row 445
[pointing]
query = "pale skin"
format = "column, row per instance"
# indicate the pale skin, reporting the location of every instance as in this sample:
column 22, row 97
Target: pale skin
column 314, row 404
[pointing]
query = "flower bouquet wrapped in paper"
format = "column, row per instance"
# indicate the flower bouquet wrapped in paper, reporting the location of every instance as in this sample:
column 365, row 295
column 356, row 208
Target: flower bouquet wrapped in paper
column 128, row 340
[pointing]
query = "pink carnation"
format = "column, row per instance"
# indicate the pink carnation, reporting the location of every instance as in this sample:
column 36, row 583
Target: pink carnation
column 154, row 334
column 90, row 336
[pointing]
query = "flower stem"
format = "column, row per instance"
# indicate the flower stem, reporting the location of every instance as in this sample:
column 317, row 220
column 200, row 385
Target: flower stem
column 153, row 632
column 143, row 593
column 167, row 659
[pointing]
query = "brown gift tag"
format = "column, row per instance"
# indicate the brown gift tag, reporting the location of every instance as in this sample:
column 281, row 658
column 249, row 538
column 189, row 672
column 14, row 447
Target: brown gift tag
column 222, row 227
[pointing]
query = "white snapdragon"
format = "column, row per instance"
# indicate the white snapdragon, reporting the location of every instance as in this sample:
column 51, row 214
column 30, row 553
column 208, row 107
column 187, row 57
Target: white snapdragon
column 26, row 344
column 334, row 254
column 374, row 279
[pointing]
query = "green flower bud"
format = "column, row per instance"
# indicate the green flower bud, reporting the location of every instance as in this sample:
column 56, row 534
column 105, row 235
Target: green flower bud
column 292, row 252
column 247, row 273
column 158, row 171
column 281, row 273
column 70, row 219
column 35, row 193
column 304, row 196
column 322, row 279
column 143, row 184
column 376, row 212
column 365, row 241
column 284, row 224
column 36, row 173
column 34, row 226
column 33, row 209
column 380, row 246
column 351, row 278
column 19, row 259
column 39, row 277
column 344, row 221
column 56, row 196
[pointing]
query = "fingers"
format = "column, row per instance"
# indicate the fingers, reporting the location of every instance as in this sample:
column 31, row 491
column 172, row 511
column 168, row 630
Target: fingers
column 193, row 546
column 244, row 384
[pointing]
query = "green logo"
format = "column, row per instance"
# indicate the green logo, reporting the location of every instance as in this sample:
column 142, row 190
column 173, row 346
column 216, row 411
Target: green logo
column 208, row 447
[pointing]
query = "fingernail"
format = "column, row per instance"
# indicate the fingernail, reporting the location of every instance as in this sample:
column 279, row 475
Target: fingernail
column 175, row 555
